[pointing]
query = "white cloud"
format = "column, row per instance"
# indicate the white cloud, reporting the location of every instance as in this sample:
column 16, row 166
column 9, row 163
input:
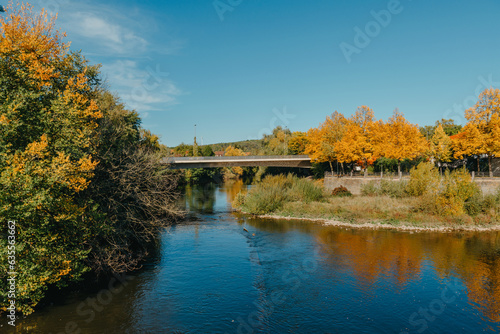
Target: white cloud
column 122, row 38
column 143, row 88
column 111, row 37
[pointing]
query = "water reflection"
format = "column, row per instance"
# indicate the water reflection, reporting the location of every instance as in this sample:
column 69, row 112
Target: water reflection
column 200, row 199
column 373, row 255
column 233, row 188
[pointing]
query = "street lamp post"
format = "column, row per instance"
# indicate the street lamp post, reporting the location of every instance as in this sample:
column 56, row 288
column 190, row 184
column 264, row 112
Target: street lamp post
column 195, row 144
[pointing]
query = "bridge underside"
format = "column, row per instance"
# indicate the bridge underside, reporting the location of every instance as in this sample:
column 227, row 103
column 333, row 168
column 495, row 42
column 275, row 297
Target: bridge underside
column 249, row 161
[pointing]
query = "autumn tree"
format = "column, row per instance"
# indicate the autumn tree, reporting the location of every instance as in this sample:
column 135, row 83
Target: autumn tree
column 397, row 139
column 78, row 174
column 440, row 146
column 297, row 143
column 323, row 141
column 481, row 133
column 276, row 143
column 47, row 122
column 355, row 144
column 233, row 172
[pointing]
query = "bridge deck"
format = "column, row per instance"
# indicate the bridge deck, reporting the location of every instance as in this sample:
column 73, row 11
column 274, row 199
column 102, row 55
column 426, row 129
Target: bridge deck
column 302, row 161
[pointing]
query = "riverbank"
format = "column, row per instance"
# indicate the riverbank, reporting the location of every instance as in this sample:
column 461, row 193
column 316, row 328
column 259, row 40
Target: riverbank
column 425, row 202
column 381, row 212
column 401, row 226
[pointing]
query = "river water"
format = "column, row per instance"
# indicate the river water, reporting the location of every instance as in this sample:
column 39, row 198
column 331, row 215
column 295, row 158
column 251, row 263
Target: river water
column 221, row 272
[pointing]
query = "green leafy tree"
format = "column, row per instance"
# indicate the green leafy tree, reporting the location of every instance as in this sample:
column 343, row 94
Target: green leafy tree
column 184, row 150
column 48, row 118
column 449, row 126
column 207, row 151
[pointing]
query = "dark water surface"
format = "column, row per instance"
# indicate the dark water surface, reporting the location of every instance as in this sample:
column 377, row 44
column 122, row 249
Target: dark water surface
column 213, row 276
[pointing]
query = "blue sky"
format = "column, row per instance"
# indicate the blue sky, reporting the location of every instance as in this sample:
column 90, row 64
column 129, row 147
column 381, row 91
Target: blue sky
column 237, row 68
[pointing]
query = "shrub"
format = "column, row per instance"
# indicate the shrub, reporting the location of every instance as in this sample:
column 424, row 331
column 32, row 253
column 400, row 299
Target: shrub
column 275, row 190
column 239, row 200
column 451, row 195
column 384, row 187
column 370, row 188
column 306, row 190
column 341, row 192
column 422, row 177
column 479, row 203
column 394, row 189
column 474, row 205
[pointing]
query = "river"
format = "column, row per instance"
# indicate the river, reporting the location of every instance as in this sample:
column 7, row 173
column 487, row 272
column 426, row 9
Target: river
column 222, row 272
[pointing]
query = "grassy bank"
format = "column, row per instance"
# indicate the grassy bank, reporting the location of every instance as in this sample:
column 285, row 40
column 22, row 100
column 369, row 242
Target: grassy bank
column 427, row 201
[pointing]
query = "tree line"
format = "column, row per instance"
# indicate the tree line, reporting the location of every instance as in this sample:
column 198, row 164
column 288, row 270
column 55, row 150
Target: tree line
column 363, row 139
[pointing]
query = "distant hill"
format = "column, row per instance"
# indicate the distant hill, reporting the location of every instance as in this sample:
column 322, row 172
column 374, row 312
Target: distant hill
column 254, row 146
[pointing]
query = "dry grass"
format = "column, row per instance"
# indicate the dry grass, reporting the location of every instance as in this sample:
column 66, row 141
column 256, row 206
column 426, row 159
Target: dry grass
column 427, row 201
column 381, row 209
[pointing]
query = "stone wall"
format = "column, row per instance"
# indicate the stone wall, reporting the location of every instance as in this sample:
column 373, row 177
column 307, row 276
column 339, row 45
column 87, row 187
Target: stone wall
column 489, row 186
column 353, row 184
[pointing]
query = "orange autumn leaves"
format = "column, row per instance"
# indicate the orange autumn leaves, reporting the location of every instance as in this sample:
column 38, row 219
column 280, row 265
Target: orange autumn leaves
column 362, row 138
column 32, row 41
column 481, row 135
column 36, row 58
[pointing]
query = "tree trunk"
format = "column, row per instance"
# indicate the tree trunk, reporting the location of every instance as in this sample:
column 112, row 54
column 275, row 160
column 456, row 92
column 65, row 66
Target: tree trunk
column 342, row 165
column 399, row 168
column 478, row 165
column 331, row 168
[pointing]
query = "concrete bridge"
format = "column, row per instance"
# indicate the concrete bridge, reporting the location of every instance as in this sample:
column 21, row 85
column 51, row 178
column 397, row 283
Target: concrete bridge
column 301, row 161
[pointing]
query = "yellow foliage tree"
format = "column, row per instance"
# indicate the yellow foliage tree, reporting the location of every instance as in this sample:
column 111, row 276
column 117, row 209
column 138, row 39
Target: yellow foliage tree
column 297, row 143
column 481, row 133
column 469, row 142
column 397, row 139
column 355, row 144
column 440, row 145
column 232, row 151
column 323, row 141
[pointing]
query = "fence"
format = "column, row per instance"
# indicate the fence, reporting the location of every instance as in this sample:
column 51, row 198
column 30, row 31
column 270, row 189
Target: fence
column 393, row 175
column 358, row 174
